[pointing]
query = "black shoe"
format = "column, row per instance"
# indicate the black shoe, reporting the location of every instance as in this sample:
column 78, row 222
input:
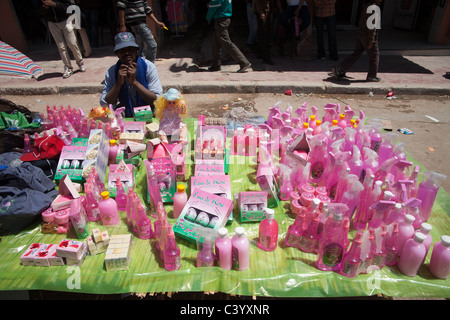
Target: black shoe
column 338, row 74
column 244, row 68
column 375, row 79
column 214, row 68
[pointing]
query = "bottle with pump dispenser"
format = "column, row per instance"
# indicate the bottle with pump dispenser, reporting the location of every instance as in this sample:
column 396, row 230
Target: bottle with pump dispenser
column 268, row 231
column 223, row 249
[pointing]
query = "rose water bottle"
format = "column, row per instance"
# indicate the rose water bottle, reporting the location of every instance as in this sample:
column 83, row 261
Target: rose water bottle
column 143, row 223
column 108, row 210
column 172, row 258
column 240, row 250
column 331, row 246
column 352, row 258
column 440, row 258
column 179, row 200
column 268, row 231
column 206, row 257
column 413, row 254
column 113, row 150
column 223, row 249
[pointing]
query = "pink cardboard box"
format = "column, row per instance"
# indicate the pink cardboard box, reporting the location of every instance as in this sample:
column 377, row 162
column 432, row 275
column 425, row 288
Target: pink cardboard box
column 42, row 258
column 203, row 212
column 30, row 254
column 268, row 183
column 70, row 249
column 251, row 205
column 209, row 167
column 218, row 184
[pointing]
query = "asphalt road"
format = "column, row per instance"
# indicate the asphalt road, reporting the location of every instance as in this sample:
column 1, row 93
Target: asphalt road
column 427, row 116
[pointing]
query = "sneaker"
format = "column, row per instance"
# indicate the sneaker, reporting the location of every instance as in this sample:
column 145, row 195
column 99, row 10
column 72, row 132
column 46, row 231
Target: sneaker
column 67, row 73
column 244, row 68
column 375, row 79
column 214, row 68
column 338, row 74
column 82, row 66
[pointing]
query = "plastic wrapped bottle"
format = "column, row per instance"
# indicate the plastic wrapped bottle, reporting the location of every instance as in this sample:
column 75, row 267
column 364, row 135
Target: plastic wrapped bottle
column 91, row 205
column 268, row 231
column 412, row 255
column 440, row 258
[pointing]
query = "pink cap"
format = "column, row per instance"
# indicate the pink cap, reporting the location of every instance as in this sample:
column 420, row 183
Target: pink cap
column 306, row 199
column 308, row 188
column 321, row 191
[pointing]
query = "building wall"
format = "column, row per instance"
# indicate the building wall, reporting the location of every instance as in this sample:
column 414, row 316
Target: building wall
column 10, row 29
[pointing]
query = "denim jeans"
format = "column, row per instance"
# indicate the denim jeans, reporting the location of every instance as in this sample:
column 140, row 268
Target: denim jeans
column 146, row 41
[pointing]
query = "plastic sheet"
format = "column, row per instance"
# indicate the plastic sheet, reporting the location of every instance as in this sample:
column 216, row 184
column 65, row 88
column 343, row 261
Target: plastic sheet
column 285, row 272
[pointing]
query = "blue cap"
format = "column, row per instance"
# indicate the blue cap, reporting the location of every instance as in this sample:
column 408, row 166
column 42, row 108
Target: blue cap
column 124, row 40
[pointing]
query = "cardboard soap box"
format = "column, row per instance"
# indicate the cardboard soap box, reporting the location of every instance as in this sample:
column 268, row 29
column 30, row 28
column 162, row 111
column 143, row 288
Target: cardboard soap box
column 203, row 210
column 251, row 205
column 267, row 182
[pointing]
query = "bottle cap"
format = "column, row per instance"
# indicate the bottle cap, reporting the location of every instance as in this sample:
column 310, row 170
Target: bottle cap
column 315, row 203
column 270, row 213
column 222, row 232
column 239, row 231
column 181, row 187
column 409, row 218
column 105, row 195
column 419, row 237
column 445, row 241
column 425, row 228
column 112, row 142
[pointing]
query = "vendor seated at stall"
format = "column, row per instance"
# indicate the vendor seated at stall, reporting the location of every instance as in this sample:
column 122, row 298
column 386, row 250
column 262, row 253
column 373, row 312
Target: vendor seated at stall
column 133, row 81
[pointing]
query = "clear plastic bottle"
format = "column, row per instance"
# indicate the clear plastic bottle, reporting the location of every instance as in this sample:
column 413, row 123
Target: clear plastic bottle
column 91, row 206
column 121, row 197
column 331, row 247
column 223, row 249
column 268, row 231
column 352, row 258
column 440, row 258
column 295, row 231
column 240, row 250
column 412, row 255
column 179, row 200
column 108, row 210
column 392, row 247
column 310, row 237
column 172, row 258
column 206, row 257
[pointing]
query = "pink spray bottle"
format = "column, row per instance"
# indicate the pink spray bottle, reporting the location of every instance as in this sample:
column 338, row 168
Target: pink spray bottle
column 310, row 237
column 412, row 206
column 379, row 247
column 396, row 214
column 351, row 197
column 286, row 186
column 370, row 159
column 366, row 252
column 379, row 208
column 427, row 191
column 318, row 156
column 352, row 258
column 268, row 231
column 392, row 248
column 355, row 163
column 339, row 160
column 362, row 216
column 386, row 150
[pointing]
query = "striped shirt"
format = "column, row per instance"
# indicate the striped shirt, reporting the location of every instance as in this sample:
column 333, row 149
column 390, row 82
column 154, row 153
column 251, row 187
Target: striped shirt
column 136, row 11
column 324, row 8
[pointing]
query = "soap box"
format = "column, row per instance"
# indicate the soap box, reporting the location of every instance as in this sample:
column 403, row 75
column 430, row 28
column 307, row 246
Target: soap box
column 71, row 163
column 143, row 113
column 203, row 210
column 166, row 176
column 218, row 184
column 70, row 249
column 30, row 254
column 251, row 205
column 209, row 167
column 267, row 183
column 44, row 254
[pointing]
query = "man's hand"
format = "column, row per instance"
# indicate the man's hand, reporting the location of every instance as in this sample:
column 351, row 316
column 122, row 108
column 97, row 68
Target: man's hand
column 48, row 3
column 123, row 73
column 131, row 73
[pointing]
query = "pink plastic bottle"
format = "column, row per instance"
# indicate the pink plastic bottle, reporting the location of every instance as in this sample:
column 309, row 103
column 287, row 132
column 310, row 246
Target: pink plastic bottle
column 206, row 257
column 240, row 250
column 113, row 150
column 240, row 142
column 268, row 231
column 412, row 255
column 172, row 258
column 392, row 247
column 108, row 210
column 27, row 144
column 143, row 223
column 352, row 258
column 405, row 231
column 159, row 225
column 121, row 197
column 396, row 214
column 379, row 248
column 440, row 258
column 366, row 253
column 295, row 231
column 251, row 143
column 129, row 208
column 310, row 237
column 426, row 228
column 91, row 206
column 179, row 200
column 318, row 157
column 223, row 249
column 427, row 191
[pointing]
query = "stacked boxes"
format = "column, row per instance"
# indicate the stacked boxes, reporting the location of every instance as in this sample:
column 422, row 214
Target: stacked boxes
column 98, row 242
column 73, row 251
column 67, row 252
column 118, row 254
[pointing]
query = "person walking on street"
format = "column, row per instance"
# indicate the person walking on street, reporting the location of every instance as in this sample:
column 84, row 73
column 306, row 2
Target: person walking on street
column 367, row 40
column 220, row 12
column 263, row 10
column 54, row 12
column 133, row 17
column 325, row 15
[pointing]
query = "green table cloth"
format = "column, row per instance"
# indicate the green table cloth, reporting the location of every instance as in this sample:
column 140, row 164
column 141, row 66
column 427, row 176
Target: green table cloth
column 285, row 272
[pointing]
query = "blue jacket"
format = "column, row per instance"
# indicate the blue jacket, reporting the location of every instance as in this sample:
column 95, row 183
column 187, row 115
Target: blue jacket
column 219, row 9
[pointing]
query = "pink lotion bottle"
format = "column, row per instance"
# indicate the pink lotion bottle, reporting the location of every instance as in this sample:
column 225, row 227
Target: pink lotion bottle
column 121, row 197
column 206, row 257
column 172, row 258
column 413, row 255
column 240, row 249
column 405, row 231
column 179, row 200
column 352, row 258
column 268, row 231
column 113, row 150
column 440, row 258
column 223, row 249
column 108, row 210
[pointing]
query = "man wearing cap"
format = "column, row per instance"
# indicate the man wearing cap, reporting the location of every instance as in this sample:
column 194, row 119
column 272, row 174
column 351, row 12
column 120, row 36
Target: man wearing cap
column 133, row 81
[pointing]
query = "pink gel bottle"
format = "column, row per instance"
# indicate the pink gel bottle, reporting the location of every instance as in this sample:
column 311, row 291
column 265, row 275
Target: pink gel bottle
column 352, row 258
column 223, row 249
column 295, row 231
column 179, row 200
column 268, row 231
column 113, row 150
column 310, row 237
column 121, row 197
column 108, row 210
column 172, row 258
column 240, row 250
column 413, row 254
column 440, row 258
column 206, row 257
